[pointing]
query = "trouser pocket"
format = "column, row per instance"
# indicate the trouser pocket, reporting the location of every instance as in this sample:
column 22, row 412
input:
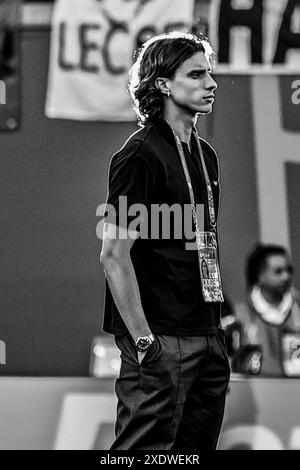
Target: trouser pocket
column 222, row 345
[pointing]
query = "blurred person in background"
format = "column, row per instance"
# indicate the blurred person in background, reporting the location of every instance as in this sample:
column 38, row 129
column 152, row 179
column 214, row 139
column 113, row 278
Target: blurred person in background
column 175, row 371
column 270, row 319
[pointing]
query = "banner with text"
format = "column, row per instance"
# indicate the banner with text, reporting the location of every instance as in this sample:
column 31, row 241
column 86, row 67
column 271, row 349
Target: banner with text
column 92, row 45
column 255, row 36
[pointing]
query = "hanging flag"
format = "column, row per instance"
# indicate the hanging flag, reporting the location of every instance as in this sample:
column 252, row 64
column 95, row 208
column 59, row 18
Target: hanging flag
column 255, row 35
column 92, row 45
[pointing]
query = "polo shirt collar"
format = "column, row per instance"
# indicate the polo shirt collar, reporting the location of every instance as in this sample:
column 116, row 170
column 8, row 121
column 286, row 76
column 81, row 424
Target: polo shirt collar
column 166, row 132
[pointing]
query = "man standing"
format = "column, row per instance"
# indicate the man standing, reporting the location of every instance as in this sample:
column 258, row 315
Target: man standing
column 164, row 315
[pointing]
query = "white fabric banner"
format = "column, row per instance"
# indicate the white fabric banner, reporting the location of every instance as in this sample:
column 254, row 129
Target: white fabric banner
column 92, row 44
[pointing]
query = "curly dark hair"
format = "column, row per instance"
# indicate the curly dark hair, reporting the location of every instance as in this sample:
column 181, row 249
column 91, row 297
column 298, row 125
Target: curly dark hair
column 160, row 56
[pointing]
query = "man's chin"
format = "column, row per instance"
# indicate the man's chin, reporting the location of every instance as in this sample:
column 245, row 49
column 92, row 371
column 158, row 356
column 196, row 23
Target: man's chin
column 205, row 109
column 204, row 112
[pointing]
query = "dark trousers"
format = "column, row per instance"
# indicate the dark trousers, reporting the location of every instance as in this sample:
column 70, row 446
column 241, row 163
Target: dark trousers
column 175, row 399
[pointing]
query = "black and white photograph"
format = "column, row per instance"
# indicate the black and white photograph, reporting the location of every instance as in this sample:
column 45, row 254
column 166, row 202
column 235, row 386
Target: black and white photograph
column 150, row 227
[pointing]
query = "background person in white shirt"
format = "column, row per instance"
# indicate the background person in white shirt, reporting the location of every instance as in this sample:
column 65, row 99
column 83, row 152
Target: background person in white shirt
column 270, row 318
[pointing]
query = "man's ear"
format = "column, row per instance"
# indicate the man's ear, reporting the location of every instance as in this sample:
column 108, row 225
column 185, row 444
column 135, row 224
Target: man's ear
column 162, row 84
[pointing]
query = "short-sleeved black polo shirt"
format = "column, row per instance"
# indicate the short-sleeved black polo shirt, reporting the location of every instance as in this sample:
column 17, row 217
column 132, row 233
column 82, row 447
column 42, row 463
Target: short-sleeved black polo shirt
column 147, row 170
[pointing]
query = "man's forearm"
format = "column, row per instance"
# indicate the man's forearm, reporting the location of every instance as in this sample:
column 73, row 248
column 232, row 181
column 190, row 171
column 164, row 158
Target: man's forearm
column 124, row 287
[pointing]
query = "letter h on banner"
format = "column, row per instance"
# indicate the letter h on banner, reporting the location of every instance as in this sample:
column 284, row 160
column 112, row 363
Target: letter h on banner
column 232, row 15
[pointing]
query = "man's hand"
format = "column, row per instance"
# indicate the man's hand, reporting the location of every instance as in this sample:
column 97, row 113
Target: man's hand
column 141, row 356
column 150, row 339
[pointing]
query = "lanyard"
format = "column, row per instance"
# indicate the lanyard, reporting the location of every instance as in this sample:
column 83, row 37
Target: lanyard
column 211, row 207
column 211, row 283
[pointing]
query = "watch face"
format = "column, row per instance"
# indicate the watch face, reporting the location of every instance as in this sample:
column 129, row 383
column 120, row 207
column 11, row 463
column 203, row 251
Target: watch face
column 143, row 344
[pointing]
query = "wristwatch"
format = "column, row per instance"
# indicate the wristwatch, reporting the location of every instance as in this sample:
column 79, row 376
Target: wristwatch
column 143, row 343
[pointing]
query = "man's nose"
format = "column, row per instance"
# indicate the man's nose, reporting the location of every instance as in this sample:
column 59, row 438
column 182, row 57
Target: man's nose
column 211, row 84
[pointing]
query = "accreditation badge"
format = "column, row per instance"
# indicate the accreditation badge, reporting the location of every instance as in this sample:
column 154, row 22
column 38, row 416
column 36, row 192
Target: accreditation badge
column 291, row 353
column 209, row 267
